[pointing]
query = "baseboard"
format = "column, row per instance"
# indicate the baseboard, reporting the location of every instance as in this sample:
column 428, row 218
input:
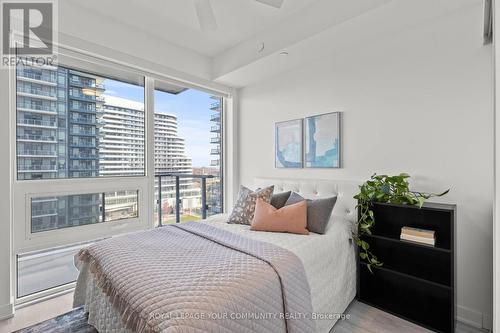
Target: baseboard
column 6, row 311
column 473, row 318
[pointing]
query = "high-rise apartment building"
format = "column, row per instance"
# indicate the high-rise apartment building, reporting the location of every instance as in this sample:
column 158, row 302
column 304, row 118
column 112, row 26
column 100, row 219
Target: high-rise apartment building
column 215, row 118
column 57, row 138
column 121, row 149
column 214, row 186
column 39, row 139
column 121, row 143
column 56, row 123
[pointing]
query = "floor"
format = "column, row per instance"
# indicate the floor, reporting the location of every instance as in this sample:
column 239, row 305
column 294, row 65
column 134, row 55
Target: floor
column 37, row 313
column 366, row 319
column 362, row 319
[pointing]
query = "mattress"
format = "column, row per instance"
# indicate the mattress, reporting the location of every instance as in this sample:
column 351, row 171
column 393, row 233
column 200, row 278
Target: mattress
column 329, row 262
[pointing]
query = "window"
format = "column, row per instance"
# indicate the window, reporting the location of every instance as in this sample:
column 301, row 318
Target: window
column 47, row 269
column 80, row 151
column 188, row 147
column 49, row 213
column 74, row 124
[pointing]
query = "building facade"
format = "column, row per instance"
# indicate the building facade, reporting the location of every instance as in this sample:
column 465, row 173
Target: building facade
column 214, row 185
column 57, row 138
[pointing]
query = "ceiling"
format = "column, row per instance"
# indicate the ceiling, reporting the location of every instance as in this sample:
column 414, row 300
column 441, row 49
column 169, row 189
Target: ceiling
column 250, row 38
column 176, row 21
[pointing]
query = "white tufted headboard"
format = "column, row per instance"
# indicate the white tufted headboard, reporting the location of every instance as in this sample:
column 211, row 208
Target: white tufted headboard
column 320, row 188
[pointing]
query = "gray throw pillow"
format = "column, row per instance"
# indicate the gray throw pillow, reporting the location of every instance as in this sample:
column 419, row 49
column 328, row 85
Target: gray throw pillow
column 318, row 211
column 278, row 200
column 244, row 209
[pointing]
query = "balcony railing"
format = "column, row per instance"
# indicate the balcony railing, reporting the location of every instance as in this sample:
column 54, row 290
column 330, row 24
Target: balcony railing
column 43, row 212
column 85, row 157
column 37, row 76
column 88, row 144
column 82, row 120
column 83, row 133
column 37, row 107
column 178, row 200
column 37, row 122
column 85, row 83
column 215, row 106
column 82, row 96
column 36, row 138
column 23, row 167
column 34, row 91
column 215, row 140
column 83, row 168
column 215, row 129
column 215, row 117
column 36, row 152
column 82, row 108
column 215, row 152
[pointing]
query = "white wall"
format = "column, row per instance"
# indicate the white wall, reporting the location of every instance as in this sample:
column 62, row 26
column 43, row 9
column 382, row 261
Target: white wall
column 419, row 101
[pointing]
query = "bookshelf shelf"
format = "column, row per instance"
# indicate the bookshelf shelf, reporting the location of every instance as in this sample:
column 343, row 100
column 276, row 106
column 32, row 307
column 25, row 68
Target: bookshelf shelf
column 417, row 281
column 439, row 285
column 434, row 248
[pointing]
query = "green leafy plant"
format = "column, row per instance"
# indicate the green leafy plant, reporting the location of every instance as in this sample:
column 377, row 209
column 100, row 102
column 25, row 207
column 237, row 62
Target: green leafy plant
column 387, row 189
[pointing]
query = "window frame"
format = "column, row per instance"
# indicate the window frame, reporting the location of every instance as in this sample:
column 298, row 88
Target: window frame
column 23, row 190
column 133, row 79
column 24, row 241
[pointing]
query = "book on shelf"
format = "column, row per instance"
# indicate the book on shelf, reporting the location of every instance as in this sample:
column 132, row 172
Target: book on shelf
column 421, row 240
column 418, row 232
column 416, row 235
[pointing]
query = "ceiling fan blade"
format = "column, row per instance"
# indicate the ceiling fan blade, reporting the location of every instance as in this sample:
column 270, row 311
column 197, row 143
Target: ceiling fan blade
column 273, row 3
column 206, row 16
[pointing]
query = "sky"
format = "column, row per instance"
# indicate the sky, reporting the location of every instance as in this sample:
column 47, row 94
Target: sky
column 192, row 108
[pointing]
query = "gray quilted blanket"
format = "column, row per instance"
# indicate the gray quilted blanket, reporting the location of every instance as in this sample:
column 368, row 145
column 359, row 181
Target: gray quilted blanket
column 197, row 278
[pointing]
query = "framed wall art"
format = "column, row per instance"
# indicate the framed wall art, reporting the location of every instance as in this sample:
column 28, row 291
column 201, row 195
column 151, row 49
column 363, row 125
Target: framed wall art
column 288, row 144
column 322, row 141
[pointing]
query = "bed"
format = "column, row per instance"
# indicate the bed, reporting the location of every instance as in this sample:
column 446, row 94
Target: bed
column 328, row 261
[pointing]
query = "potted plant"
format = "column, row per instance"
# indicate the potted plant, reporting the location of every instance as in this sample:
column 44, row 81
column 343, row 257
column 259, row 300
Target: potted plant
column 386, row 189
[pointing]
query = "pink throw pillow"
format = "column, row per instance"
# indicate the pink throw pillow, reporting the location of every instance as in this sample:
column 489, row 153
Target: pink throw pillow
column 291, row 218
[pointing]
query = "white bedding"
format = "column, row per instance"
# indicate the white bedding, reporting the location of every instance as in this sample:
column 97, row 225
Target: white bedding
column 329, row 262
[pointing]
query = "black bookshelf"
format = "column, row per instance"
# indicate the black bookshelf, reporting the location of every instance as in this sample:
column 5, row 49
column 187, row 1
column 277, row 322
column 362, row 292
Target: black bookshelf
column 417, row 282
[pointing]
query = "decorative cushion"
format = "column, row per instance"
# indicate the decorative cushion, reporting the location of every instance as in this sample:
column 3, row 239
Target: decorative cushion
column 291, row 218
column 318, row 211
column 244, row 208
column 278, row 200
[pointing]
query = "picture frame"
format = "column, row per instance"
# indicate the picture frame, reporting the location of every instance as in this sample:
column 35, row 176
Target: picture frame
column 289, row 147
column 322, row 140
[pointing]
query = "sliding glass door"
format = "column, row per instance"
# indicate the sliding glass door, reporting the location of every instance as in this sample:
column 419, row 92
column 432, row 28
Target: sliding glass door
column 188, row 154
